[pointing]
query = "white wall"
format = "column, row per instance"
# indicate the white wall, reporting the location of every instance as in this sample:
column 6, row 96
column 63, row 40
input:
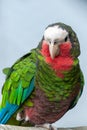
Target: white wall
column 22, row 23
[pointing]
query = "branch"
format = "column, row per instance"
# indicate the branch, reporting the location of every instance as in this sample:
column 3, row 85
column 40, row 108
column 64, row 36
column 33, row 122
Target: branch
column 9, row 127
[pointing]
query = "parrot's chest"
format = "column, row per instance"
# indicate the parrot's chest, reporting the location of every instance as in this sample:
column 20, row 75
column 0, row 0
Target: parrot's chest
column 53, row 94
column 55, row 83
column 48, row 111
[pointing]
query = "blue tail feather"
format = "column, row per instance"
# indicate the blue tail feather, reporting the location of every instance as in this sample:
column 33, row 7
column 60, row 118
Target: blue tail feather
column 7, row 112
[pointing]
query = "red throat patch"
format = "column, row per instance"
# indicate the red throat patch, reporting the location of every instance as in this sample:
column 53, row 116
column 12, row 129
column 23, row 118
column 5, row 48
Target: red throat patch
column 60, row 63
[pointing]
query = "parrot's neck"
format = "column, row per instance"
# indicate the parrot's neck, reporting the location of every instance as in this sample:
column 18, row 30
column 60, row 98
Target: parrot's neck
column 63, row 62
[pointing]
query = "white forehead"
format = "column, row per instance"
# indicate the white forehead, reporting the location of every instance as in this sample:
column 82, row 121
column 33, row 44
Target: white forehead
column 55, row 32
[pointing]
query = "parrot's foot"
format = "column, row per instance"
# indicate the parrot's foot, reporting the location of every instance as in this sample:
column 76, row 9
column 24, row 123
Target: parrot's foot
column 19, row 116
column 47, row 126
column 22, row 116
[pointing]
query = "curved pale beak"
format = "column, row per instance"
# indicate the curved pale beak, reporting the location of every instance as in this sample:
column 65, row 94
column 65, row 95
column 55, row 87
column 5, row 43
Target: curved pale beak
column 54, row 50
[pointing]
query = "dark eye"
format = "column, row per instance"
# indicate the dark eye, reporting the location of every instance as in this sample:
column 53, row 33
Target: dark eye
column 55, row 42
column 65, row 39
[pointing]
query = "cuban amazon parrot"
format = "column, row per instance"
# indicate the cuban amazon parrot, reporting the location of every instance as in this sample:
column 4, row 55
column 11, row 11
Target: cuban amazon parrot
column 44, row 84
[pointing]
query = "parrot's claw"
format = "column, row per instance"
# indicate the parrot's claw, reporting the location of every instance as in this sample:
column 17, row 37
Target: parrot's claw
column 19, row 118
column 48, row 126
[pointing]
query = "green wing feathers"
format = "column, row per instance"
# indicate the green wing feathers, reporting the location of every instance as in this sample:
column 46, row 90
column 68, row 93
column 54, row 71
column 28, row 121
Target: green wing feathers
column 81, row 82
column 18, row 79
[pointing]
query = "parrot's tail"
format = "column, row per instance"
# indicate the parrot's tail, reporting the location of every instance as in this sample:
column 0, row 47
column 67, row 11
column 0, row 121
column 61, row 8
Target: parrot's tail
column 7, row 112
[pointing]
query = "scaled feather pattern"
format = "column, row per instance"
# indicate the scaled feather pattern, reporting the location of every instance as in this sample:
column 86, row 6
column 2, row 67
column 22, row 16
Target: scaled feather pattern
column 44, row 84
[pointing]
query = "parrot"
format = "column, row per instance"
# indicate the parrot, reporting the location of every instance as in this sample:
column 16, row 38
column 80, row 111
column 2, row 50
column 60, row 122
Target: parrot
column 41, row 86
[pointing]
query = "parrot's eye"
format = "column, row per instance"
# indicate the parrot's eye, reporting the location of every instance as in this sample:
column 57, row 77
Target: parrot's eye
column 55, row 42
column 65, row 38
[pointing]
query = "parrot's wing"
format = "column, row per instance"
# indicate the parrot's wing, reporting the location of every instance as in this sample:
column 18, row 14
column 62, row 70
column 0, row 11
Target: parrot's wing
column 18, row 86
column 74, row 102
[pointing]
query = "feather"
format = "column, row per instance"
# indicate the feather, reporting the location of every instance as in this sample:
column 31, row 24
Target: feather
column 6, row 70
column 28, row 90
column 20, row 93
column 7, row 111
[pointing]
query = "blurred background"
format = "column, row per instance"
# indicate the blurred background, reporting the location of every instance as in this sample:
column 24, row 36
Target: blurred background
column 22, row 23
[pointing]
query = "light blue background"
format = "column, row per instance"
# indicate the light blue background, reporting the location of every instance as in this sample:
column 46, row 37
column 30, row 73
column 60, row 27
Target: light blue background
column 22, row 23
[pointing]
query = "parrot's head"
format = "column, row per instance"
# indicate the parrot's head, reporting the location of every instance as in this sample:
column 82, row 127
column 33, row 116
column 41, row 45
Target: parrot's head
column 59, row 39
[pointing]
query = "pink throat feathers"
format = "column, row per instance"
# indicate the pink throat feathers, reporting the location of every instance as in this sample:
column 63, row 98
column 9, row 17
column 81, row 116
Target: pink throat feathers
column 60, row 63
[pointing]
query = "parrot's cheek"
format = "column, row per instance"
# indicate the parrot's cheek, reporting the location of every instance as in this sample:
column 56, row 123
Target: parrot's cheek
column 45, row 49
column 65, row 49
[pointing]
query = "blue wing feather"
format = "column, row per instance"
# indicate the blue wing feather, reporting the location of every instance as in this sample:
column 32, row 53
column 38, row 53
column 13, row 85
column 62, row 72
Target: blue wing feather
column 7, row 112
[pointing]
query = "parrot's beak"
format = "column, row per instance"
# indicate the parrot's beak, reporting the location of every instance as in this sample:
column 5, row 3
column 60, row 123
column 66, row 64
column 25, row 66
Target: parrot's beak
column 54, row 50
